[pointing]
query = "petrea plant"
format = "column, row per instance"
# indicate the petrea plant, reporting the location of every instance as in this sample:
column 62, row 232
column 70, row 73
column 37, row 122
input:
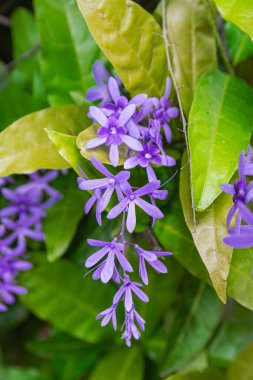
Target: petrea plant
column 21, row 219
column 119, row 123
column 241, row 235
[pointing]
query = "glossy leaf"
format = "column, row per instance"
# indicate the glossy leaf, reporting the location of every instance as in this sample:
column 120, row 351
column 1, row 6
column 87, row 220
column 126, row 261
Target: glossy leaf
column 131, row 39
column 67, row 148
column 220, row 127
column 195, row 321
column 235, row 333
column 174, row 236
column 67, row 49
column 12, row 373
column 62, row 219
column 193, row 47
column 208, row 374
column 208, row 237
column 242, row 367
column 11, row 109
column 123, row 364
column 239, row 12
column 102, row 152
column 23, row 19
column 239, row 43
column 240, row 280
column 59, row 294
column 24, row 145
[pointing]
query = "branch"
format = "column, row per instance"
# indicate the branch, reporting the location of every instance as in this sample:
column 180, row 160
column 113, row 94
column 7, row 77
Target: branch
column 184, row 123
column 23, row 57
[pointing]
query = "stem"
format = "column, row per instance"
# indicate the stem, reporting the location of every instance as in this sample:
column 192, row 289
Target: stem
column 218, row 39
column 24, row 57
column 184, row 123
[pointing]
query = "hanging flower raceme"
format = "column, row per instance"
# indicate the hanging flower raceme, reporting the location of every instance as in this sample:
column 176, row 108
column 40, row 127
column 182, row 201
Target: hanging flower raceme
column 138, row 124
column 21, row 219
column 241, row 233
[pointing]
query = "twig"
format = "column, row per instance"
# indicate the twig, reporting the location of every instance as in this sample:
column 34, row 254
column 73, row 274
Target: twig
column 23, row 57
column 218, row 39
column 184, row 123
column 5, row 21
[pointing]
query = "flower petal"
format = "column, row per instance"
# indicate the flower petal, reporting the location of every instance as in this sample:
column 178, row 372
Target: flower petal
column 126, row 114
column 132, row 143
column 114, row 155
column 114, row 89
column 131, row 217
column 93, row 143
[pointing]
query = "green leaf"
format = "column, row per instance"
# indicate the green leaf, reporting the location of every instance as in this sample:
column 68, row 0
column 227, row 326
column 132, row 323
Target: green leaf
column 208, row 236
column 12, row 373
column 192, row 42
column 122, row 364
column 67, row 49
column 24, row 145
column 195, row 321
column 11, row 109
column 67, row 148
column 208, row 374
column 174, row 236
column 239, row 43
column 59, row 231
column 239, row 12
column 102, row 153
column 235, row 333
column 58, row 293
column 59, row 345
column 240, row 280
column 132, row 41
column 242, row 367
column 220, row 127
column 23, row 19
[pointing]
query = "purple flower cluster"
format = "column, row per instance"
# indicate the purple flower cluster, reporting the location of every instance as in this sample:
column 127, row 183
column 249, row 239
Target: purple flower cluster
column 21, row 219
column 241, row 232
column 140, row 123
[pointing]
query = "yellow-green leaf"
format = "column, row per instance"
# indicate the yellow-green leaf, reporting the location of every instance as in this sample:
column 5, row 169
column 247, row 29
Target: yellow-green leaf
column 240, row 12
column 192, row 45
column 209, row 234
column 24, row 145
column 132, row 40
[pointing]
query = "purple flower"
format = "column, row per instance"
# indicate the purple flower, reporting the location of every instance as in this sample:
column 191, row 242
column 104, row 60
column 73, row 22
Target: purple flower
column 21, row 204
column 108, row 184
column 100, row 92
column 125, row 293
column 133, row 198
column 107, row 315
column 10, row 266
column 241, row 237
column 131, row 330
column 111, row 249
column 164, row 111
column 5, row 181
column 149, row 154
column 240, row 190
column 22, row 229
column 152, row 258
column 7, row 291
column 113, row 133
column 38, row 186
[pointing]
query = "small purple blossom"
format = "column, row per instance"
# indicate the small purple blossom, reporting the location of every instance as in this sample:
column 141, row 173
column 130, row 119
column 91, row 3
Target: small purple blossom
column 112, row 250
column 125, row 293
column 133, row 198
column 131, row 330
column 107, row 185
column 164, row 111
column 107, row 315
column 112, row 132
column 151, row 257
column 101, row 91
column 241, row 191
